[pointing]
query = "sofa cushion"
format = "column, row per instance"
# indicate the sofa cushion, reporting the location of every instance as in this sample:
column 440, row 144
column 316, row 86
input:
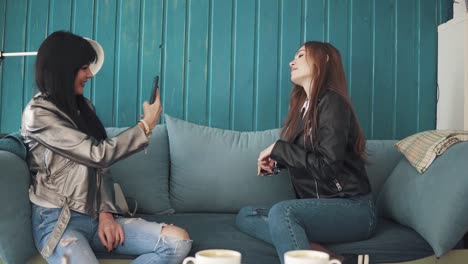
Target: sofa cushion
column 215, row 170
column 219, row 231
column 144, row 176
column 433, row 203
column 391, row 242
column 16, row 242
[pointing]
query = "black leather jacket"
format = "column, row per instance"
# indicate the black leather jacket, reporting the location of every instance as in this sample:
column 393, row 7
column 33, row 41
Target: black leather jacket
column 332, row 168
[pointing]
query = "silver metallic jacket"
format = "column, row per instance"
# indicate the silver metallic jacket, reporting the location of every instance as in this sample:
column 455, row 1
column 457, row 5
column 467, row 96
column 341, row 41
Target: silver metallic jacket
column 70, row 169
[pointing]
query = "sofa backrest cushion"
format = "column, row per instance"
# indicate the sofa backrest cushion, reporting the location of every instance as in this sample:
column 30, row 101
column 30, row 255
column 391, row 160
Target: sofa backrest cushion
column 144, row 176
column 16, row 241
column 382, row 157
column 433, row 203
column 215, row 170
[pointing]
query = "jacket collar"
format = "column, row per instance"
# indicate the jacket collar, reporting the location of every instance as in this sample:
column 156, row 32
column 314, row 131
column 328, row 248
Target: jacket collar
column 300, row 125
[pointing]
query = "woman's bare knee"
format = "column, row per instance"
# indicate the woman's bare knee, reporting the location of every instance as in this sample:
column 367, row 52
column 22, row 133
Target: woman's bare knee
column 175, row 231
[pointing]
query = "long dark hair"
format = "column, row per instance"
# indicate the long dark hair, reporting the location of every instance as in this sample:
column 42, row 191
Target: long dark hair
column 327, row 74
column 59, row 58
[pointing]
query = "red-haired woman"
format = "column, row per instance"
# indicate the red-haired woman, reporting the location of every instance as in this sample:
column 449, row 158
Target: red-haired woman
column 323, row 148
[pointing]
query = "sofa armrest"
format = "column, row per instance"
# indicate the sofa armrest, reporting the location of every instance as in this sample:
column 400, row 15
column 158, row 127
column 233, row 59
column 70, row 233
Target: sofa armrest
column 16, row 241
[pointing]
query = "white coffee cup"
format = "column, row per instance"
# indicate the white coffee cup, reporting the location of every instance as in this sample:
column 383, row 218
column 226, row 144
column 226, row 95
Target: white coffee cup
column 308, row 257
column 215, row 256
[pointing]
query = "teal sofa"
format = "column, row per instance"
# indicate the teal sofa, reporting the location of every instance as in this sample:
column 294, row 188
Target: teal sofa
column 198, row 177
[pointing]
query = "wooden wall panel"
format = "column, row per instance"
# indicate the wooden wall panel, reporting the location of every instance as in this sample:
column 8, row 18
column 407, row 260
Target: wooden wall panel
column 225, row 63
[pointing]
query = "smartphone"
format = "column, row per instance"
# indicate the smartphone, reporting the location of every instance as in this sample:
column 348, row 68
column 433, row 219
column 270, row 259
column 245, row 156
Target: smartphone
column 154, row 90
column 265, row 173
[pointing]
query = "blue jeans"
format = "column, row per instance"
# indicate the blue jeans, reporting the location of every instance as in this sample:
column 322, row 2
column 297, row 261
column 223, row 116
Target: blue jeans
column 293, row 224
column 80, row 239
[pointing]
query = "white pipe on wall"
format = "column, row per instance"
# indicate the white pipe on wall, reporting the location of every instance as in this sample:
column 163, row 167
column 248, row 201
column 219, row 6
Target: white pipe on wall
column 465, row 84
column 12, row 54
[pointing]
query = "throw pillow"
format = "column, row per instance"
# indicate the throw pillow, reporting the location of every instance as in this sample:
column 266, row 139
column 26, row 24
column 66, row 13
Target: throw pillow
column 215, row 170
column 144, row 176
column 434, row 203
column 382, row 157
column 422, row 148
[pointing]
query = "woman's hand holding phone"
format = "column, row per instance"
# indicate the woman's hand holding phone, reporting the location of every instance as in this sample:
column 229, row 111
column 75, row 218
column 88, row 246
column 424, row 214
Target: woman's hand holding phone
column 265, row 167
column 265, row 163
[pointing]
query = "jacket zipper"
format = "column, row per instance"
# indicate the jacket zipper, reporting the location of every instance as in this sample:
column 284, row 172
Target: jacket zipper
column 316, row 188
column 46, row 165
column 97, row 196
column 63, row 167
column 338, row 185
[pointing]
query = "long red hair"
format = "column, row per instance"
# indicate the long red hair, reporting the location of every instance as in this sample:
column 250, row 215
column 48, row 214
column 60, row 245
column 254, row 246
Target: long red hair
column 327, row 74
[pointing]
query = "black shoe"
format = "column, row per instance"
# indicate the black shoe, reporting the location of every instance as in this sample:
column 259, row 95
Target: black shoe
column 350, row 258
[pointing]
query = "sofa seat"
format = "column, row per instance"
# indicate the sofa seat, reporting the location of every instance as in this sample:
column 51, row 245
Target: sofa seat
column 390, row 243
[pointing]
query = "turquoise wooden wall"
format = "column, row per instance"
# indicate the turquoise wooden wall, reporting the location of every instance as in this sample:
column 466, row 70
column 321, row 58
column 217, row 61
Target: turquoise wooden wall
column 224, row 63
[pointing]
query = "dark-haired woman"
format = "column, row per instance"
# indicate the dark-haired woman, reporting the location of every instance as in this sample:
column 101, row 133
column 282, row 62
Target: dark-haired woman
column 323, row 149
column 72, row 192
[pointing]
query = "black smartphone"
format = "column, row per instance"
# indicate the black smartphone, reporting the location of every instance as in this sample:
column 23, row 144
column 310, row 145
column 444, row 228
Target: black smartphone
column 155, row 88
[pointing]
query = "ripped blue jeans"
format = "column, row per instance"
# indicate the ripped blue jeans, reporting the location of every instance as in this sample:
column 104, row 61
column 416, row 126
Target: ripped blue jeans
column 293, row 224
column 80, row 240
